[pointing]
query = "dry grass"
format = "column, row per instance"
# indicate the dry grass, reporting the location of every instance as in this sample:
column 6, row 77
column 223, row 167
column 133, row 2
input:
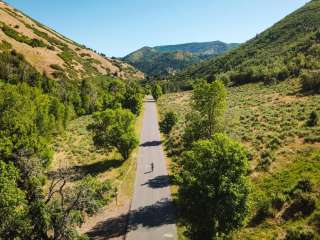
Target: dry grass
column 42, row 58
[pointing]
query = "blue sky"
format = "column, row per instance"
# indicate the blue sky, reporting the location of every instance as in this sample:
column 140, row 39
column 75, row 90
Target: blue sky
column 117, row 27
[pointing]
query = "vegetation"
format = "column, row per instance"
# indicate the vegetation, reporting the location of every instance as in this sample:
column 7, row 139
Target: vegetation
column 290, row 48
column 160, row 61
column 156, row 91
column 115, row 128
column 208, row 109
column 213, row 187
column 271, row 121
column 20, row 37
column 169, row 121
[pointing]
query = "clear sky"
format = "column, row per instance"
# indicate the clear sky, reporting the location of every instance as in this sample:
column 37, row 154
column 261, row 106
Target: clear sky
column 118, row 27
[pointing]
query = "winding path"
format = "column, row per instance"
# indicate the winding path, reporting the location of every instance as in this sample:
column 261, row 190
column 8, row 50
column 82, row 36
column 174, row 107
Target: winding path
column 152, row 212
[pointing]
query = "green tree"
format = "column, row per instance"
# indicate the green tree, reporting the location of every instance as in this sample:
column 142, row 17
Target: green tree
column 133, row 97
column 208, row 109
column 14, row 222
column 156, row 91
column 115, row 128
column 214, row 187
column 170, row 119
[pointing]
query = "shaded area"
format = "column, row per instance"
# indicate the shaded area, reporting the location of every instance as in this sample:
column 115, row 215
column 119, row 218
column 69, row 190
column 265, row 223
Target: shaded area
column 158, row 182
column 150, row 144
column 77, row 172
column 160, row 213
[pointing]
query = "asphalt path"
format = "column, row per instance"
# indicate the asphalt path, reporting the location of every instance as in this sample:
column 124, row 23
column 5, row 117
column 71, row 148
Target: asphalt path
column 151, row 214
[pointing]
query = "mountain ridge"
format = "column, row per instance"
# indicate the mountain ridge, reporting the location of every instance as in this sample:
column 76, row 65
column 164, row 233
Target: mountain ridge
column 169, row 59
column 273, row 55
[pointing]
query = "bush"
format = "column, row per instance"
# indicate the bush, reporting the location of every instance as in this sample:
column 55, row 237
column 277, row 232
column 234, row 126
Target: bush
column 310, row 80
column 266, row 158
column 313, row 119
column 56, row 67
column 170, row 119
column 299, row 234
column 302, row 206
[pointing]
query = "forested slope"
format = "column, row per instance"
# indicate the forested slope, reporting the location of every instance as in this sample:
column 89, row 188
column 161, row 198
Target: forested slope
column 284, row 50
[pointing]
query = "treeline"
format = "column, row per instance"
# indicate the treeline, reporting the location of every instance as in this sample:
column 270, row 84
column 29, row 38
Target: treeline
column 33, row 109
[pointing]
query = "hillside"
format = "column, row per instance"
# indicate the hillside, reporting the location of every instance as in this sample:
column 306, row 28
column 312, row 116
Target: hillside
column 280, row 52
column 50, row 52
column 164, row 60
column 284, row 152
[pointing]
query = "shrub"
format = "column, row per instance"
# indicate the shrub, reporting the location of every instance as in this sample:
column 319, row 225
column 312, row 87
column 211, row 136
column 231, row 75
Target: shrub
column 302, row 206
column 4, row 45
column 310, row 80
column 170, row 119
column 313, row 119
column 56, row 67
column 299, row 234
column 312, row 139
column 303, row 185
column 266, row 158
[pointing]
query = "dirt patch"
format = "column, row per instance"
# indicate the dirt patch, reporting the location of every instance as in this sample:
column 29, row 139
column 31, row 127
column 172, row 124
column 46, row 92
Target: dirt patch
column 111, row 223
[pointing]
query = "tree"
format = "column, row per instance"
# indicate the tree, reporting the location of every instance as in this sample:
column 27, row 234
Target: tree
column 69, row 206
column 133, row 97
column 115, row 128
column 156, row 91
column 208, row 109
column 170, row 119
column 214, row 187
column 14, row 222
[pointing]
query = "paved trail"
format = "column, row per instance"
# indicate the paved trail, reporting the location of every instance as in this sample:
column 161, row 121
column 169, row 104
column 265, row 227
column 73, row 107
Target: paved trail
column 152, row 212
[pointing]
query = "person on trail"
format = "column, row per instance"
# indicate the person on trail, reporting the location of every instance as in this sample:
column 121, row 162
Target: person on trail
column 152, row 166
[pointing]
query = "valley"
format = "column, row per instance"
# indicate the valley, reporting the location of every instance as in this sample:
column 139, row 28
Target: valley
column 193, row 141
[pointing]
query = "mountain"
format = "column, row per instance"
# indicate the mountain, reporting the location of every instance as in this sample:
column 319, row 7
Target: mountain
column 280, row 52
column 50, row 52
column 164, row 60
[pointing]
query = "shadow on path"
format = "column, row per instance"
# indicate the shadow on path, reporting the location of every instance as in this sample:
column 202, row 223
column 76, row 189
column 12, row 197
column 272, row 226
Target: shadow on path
column 160, row 213
column 150, row 144
column 158, row 182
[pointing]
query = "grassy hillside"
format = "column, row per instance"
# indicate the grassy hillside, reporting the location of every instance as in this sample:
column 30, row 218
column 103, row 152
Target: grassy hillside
column 284, row 151
column 282, row 51
column 164, row 60
column 52, row 53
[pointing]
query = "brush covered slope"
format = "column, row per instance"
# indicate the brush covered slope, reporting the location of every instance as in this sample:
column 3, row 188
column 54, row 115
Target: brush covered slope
column 282, row 51
column 51, row 53
column 164, row 60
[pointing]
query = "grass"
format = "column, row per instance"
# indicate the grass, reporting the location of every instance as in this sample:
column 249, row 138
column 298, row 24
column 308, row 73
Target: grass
column 270, row 121
column 5, row 46
column 76, row 154
column 10, row 32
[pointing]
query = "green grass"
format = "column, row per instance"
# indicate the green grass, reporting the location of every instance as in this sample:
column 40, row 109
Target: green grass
column 270, row 121
column 10, row 32
column 5, row 46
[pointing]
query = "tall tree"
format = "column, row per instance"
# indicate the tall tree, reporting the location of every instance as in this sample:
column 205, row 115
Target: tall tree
column 214, row 187
column 115, row 128
column 208, row 108
column 156, row 91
